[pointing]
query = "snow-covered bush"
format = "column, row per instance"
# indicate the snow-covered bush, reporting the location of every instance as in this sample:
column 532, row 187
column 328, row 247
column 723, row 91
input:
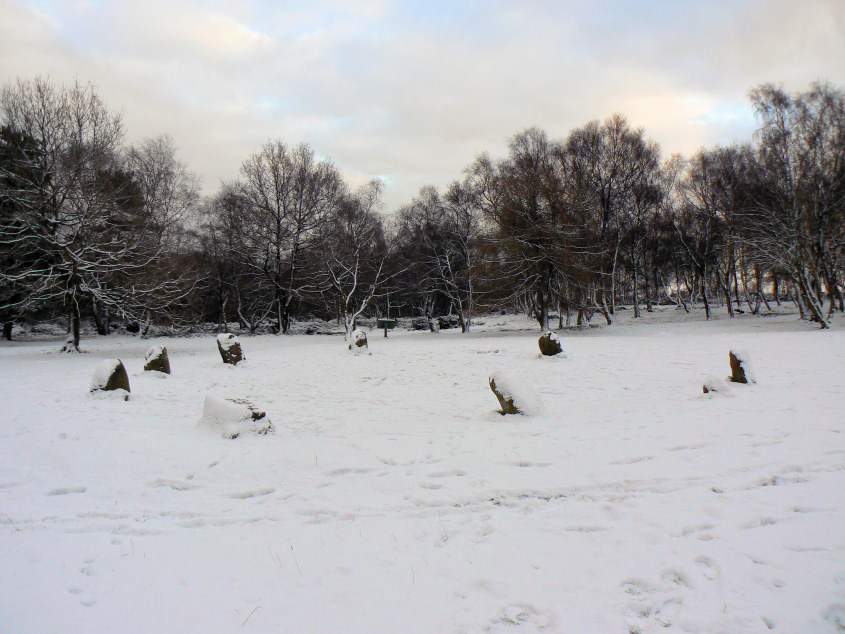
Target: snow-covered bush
column 515, row 396
column 233, row 417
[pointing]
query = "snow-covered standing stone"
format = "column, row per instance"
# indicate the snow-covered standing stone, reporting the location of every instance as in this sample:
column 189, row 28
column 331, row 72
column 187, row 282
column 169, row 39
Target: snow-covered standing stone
column 714, row 384
column 156, row 360
column 515, row 396
column 741, row 369
column 233, row 417
column 550, row 344
column 110, row 375
column 358, row 339
column 230, row 348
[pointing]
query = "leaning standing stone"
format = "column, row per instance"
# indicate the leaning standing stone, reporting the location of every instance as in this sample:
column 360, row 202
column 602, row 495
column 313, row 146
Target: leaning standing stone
column 741, row 368
column 110, row 375
column 156, row 360
column 550, row 344
column 515, row 396
column 230, row 348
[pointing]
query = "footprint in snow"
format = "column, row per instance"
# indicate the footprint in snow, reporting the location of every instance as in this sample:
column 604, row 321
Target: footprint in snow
column 67, row 490
column 523, row 616
column 245, row 495
column 708, row 568
column 835, row 615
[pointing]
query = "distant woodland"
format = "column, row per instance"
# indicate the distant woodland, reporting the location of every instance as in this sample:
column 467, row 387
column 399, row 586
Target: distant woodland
column 93, row 229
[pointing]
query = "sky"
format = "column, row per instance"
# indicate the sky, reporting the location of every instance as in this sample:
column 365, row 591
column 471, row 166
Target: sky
column 411, row 92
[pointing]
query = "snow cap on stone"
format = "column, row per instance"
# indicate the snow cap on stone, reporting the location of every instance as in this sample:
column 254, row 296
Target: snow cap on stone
column 227, row 341
column 110, row 375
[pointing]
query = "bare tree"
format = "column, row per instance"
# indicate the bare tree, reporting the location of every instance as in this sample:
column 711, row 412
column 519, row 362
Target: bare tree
column 289, row 193
column 74, row 209
column 795, row 220
column 170, row 192
column 353, row 252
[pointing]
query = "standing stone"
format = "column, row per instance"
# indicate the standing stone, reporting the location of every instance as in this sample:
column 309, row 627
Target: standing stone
column 515, row 396
column 741, row 368
column 550, row 344
column 110, row 375
column 713, row 384
column 505, row 400
column 358, row 339
column 233, row 417
column 230, row 348
column 156, row 360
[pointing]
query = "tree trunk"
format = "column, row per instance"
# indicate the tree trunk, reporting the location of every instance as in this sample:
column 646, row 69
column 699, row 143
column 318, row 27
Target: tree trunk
column 812, row 301
column 726, row 287
column 7, row 330
column 776, row 287
column 73, row 325
column 636, row 292
column 100, row 323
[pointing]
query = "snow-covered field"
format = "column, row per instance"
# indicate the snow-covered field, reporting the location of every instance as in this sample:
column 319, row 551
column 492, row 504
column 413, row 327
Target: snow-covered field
column 393, row 498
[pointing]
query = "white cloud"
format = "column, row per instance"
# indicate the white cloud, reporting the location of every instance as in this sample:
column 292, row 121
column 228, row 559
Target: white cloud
column 412, row 91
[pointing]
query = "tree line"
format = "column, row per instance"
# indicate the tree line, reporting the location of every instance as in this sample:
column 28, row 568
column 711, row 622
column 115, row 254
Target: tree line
column 93, row 228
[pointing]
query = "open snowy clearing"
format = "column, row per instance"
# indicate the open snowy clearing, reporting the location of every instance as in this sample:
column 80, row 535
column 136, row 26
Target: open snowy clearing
column 393, row 497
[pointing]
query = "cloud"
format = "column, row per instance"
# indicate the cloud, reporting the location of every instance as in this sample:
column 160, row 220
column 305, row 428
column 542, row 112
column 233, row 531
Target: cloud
column 413, row 91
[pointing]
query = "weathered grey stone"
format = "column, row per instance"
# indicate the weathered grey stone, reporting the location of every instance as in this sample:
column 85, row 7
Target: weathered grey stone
column 550, row 344
column 230, row 348
column 156, row 360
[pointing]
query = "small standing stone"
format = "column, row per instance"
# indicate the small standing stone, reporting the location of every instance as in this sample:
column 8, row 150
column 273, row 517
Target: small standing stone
column 156, row 360
column 505, row 400
column 358, row 338
column 741, row 368
column 233, row 417
column 714, row 384
column 514, row 395
column 110, row 375
column 230, row 348
column 550, row 344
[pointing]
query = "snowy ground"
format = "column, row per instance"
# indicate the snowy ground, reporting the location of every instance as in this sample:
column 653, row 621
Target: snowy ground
column 393, row 498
